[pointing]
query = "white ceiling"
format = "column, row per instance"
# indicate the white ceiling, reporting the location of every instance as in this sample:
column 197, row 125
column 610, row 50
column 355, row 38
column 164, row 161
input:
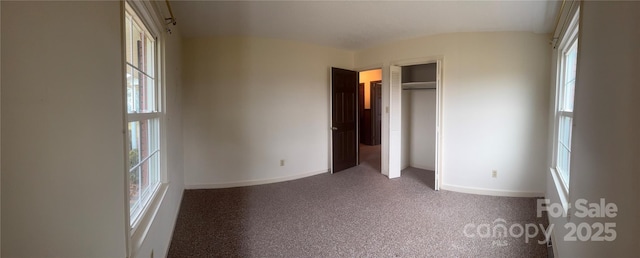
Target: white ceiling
column 356, row 25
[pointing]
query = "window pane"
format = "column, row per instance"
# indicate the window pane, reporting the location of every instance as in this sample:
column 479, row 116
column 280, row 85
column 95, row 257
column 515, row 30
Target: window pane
column 564, row 148
column 130, row 90
column 134, row 144
column 144, row 180
column 136, row 91
column 568, row 86
column 144, row 175
column 137, row 35
column 144, row 165
column 150, row 47
column 149, row 175
column 571, row 61
column 147, row 95
column 129, row 40
column 563, row 163
column 134, row 190
column 139, row 138
column 141, row 92
column 564, row 133
column 154, row 134
column 154, row 162
column 569, row 93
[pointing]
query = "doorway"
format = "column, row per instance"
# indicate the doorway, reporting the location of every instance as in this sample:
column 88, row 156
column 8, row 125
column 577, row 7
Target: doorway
column 356, row 119
column 370, row 119
column 419, row 121
column 415, row 75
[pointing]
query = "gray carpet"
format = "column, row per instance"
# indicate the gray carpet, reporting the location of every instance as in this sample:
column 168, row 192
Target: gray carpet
column 354, row 213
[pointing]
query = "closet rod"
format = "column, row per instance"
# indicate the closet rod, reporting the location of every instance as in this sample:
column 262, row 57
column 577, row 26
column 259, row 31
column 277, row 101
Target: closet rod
column 419, row 89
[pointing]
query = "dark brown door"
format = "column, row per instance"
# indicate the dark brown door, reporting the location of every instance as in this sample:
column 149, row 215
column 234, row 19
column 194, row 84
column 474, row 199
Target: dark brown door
column 376, row 110
column 365, row 118
column 344, row 117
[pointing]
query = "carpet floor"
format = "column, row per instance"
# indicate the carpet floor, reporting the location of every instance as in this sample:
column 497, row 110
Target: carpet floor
column 354, row 213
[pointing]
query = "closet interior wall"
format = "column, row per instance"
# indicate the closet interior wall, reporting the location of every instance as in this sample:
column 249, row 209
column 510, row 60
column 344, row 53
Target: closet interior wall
column 419, row 116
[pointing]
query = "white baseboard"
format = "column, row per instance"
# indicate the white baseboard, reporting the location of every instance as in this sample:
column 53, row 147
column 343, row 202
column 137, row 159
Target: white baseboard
column 492, row 192
column 254, row 182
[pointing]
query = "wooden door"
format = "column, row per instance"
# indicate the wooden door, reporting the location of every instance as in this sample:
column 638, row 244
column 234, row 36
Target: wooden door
column 376, row 111
column 344, row 115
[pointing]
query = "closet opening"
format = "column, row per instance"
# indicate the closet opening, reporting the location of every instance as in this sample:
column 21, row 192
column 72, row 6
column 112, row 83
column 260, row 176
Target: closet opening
column 370, row 119
column 418, row 119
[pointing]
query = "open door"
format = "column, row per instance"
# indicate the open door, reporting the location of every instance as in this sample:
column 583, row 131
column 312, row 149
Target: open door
column 344, row 117
column 395, row 114
column 438, row 125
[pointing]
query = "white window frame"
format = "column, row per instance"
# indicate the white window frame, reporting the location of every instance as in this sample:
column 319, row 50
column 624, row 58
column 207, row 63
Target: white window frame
column 567, row 42
column 140, row 225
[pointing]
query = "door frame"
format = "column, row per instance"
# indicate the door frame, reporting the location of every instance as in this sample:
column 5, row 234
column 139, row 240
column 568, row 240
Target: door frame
column 439, row 61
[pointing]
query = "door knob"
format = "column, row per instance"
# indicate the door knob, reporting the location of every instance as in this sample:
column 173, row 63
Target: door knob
column 334, row 128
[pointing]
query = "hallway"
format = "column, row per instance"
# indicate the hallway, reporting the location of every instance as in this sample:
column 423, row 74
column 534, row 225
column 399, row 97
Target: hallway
column 370, row 156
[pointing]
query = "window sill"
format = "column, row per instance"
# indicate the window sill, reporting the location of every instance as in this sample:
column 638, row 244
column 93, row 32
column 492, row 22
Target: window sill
column 139, row 233
column 562, row 192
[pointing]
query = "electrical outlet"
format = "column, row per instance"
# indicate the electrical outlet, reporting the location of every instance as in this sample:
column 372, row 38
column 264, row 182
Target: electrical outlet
column 282, row 162
column 494, row 173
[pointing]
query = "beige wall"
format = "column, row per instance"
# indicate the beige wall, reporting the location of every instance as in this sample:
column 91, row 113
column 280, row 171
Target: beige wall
column 422, row 132
column 62, row 130
column 495, row 106
column 418, row 129
column 0, row 137
column 249, row 103
column 63, row 187
column 605, row 149
column 367, row 77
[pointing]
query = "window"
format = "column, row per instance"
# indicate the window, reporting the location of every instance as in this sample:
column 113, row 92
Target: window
column 143, row 114
column 565, row 91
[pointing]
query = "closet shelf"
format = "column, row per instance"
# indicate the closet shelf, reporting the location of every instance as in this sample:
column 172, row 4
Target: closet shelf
column 418, row 85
